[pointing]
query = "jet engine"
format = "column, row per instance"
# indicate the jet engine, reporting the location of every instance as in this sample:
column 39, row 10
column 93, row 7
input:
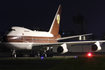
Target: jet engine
column 62, row 49
column 96, row 46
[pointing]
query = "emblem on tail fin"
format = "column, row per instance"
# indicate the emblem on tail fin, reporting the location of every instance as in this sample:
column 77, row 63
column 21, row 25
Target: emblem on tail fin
column 54, row 29
column 58, row 18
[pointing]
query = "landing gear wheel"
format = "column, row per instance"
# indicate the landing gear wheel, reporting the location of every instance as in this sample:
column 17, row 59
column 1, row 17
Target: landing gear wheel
column 49, row 55
column 49, row 52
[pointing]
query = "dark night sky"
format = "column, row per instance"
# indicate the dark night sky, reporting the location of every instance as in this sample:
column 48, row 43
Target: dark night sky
column 40, row 13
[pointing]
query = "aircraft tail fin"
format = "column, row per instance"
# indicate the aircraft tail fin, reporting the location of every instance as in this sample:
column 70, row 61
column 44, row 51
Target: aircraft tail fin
column 54, row 29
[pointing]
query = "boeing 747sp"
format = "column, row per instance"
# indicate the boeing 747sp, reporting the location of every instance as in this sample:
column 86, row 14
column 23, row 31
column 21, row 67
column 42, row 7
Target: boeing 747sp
column 20, row 38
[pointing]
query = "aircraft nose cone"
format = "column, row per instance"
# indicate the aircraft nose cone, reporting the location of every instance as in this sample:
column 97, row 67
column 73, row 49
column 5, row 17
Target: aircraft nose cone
column 4, row 39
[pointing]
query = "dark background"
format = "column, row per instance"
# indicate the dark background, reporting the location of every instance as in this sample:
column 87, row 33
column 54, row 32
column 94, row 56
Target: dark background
column 40, row 13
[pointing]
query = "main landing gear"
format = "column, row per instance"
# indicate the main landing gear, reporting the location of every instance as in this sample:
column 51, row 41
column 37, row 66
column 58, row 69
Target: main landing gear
column 45, row 53
column 38, row 54
column 48, row 53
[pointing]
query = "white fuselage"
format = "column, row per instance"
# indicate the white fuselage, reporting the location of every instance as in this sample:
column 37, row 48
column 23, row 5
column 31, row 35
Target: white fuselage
column 23, row 38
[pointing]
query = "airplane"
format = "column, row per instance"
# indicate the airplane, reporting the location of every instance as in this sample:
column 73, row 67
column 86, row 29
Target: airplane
column 20, row 38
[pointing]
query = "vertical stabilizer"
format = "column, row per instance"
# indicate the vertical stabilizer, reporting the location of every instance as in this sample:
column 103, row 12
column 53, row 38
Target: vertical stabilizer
column 54, row 29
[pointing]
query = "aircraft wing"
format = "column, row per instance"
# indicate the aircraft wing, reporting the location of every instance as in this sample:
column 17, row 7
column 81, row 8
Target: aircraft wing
column 74, row 36
column 70, row 43
column 84, row 42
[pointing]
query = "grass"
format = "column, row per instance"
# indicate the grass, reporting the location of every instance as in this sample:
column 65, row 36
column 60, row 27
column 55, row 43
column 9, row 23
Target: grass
column 79, row 63
column 82, row 63
column 28, row 64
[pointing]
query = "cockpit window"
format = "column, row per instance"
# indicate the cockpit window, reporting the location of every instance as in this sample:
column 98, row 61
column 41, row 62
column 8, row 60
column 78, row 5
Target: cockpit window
column 11, row 29
column 8, row 31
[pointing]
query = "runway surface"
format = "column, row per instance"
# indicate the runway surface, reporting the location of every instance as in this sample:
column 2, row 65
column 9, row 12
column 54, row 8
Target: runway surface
column 56, row 55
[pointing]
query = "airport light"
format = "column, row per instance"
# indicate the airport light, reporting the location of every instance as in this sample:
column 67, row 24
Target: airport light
column 75, row 57
column 89, row 54
column 42, row 57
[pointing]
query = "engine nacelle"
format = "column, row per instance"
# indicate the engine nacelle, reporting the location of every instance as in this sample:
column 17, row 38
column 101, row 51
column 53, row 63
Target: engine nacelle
column 62, row 49
column 96, row 47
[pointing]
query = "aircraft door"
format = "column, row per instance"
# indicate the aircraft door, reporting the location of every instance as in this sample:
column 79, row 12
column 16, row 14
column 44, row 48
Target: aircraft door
column 23, row 37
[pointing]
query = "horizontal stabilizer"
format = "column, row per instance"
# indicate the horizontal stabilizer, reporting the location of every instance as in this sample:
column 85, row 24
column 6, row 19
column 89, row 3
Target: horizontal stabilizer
column 74, row 36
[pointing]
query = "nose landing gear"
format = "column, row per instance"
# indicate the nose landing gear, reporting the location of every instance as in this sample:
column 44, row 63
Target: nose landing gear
column 13, row 53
